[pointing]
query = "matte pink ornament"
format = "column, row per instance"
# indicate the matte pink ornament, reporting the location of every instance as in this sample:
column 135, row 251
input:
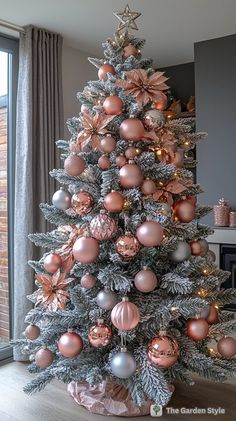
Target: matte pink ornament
column 150, row 234
column 52, row 262
column 32, row 332
column 70, row 345
column 184, row 211
column 121, row 160
column 131, row 176
column 130, row 50
column 197, row 329
column 44, row 358
column 161, row 104
column 104, row 162
column 145, row 280
column 125, row 315
column 114, row 201
column 196, row 248
column 148, row 187
column 88, row 281
column 132, row 129
column 213, row 315
column 74, row 165
column 131, row 152
column 86, row 250
column 108, row 144
column 104, row 69
column 113, row 105
column 227, row 347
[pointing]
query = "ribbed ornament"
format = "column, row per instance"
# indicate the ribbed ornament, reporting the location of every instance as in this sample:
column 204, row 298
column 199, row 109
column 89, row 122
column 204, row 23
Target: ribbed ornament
column 125, row 315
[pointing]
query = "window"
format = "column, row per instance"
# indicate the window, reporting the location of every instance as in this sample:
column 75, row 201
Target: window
column 8, row 86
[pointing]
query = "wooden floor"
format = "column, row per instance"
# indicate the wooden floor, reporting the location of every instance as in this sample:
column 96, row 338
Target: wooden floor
column 54, row 404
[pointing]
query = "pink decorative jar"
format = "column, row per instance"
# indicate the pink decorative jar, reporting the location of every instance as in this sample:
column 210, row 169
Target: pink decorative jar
column 221, row 213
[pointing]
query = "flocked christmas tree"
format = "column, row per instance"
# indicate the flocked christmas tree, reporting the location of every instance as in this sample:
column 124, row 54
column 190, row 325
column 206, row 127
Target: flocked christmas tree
column 127, row 289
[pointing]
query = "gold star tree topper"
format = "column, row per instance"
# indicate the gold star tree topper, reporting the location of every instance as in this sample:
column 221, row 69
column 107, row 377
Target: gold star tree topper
column 126, row 19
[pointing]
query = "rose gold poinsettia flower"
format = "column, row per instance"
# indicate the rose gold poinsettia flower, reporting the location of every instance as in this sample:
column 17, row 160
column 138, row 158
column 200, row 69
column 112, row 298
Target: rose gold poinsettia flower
column 166, row 191
column 94, row 126
column 66, row 251
column 142, row 87
column 51, row 293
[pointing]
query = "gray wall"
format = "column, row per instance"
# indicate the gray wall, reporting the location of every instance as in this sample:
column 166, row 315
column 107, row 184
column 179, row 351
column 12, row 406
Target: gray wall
column 181, row 80
column 215, row 88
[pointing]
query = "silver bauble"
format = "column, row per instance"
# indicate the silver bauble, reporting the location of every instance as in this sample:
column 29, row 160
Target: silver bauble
column 107, row 299
column 181, row 253
column 62, row 199
column 153, row 119
column 204, row 313
column 123, row 365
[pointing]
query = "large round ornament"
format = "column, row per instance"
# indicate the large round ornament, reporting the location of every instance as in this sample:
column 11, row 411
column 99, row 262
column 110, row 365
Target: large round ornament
column 104, row 162
column 213, row 315
column 88, row 281
column 32, row 332
column 163, row 351
column 145, row 280
column 104, row 69
column 148, row 187
column 44, row 358
column 153, row 119
column 131, row 176
column 108, row 144
column 127, row 246
column 121, row 160
column 184, row 211
column 130, row 50
column 103, row 227
column 82, row 202
column 70, row 344
column 62, row 199
column 114, row 201
column 113, row 105
column 86, row 250
column 131, row 152
column 123, row 364
column 106, row 299
column 161, row 104
column 132, row 129
column 74, row 164
column 181, row 253
column 150, row 234
column 197, row 329
column 125, row 315
column 52, row 262
column 227, row 347
column 100, row 334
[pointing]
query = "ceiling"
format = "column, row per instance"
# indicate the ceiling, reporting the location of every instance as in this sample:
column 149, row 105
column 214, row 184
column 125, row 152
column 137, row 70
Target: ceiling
column 170, row 27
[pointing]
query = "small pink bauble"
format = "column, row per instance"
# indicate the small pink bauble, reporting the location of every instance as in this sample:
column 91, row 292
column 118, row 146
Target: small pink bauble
column 74, row 165
column 44, row 357
column 70, row 345
column 125, row 315
column 32, row 332
column 130, row 50
column 148, row 187
column 163, row 351
column 132, row 129
column 131, row 176
column 184, row 211
column 104, row 69
column 150, row 234
column 145, row 280
column 104, row 162
column 88, row 281
column 227, row 347
column 52, row 262
column 161, row 104
column 121, row 160
column 103, row 227
column 108, row 144
column 86, row 250
column 114, row 201
column 113, row 105
column 196, row 248
column 178, row 159
column 197, row 329
column 213, row 315
column 100, row 335
column 131, row 152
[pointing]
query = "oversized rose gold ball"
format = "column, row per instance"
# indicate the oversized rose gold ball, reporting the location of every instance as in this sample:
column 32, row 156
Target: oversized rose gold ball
column 148, row 187
column 32, row 332
column 131, row 176
column 121, row 161
column 197, row 329
column 44, row 357
column 100, row 335
column 130, row 50
column 74, row 165
column 227, row 347
column 108, row 144
column 104, row 162
column 88, row 281
column 114, row 201
column 196, row 248
column 145, row 280
column 184, row 211
column 204, row 247
column 70, row 345
column 150, row 234
column 163, row 351
column 161, row 104
column 213, row 315
column 131, row 152
column 113, row 105
column 82, row 202
column 178, row 159
column 86, row 250
column 52, row 262
column 104, row 69
column 132, row 129
column 125, row 315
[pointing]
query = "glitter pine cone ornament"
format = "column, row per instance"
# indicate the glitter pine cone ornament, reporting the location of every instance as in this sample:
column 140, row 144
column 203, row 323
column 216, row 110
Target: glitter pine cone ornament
column 102, row 226
column 163, row 350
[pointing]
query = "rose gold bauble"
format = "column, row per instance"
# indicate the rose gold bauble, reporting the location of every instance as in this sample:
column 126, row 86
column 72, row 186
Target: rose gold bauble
column 121, row 161
column 104, row 69
column 184, row 211
column 86, row 250
column 163, row 351
column 52, row 262
column 227, row 347
column 197, row 329
column 104, row 162
column 82, row 202
column 150, row 234
column 100, row 335
column 131, row 152
column 195, row 248
column 103, row 227
column 132, row 129
column 148, row 187
column 74, row 165
column 108, row 144
column 127, row 246
column 88, row 281
column 161, row 104
column 70, row 344
column 191, row 199
column 131, row 176
column 130, row 50
column 204, row 247
column 114, row 201
column 44, row 357
column 213, row 315
column 32, row 332
column 145, row 280
column 113, row 105
column 125, row 315
column 178, row 159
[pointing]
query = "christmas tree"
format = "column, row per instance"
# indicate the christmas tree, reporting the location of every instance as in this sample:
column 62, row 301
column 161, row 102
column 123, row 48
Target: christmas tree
column 127, row 289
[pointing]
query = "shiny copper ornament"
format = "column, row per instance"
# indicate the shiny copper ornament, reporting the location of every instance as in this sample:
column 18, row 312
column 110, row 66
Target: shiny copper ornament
column 100, row 335
column 227, row 347
column 44, row 357
column 113, row 105
column 52, row 262
column 32, row 332
column 74, row 164
column 132, row 129
column 82, row 202
column 197, row 329
column 103, row 227
column 153, row 119
column 161, row 104
column 104, row 69
column 184, row 211
column 131, row 176
column 163, row 351
column 70, row 344
column 114, row 201
column 213, row 315
column 127, row 246
column 125, row 315
column 104, row 162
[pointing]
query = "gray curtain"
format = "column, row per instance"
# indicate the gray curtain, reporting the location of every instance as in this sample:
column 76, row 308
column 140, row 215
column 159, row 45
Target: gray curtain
column 39, row 124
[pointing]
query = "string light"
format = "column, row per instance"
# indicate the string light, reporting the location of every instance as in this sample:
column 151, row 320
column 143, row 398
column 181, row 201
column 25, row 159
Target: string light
column 203, row 293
